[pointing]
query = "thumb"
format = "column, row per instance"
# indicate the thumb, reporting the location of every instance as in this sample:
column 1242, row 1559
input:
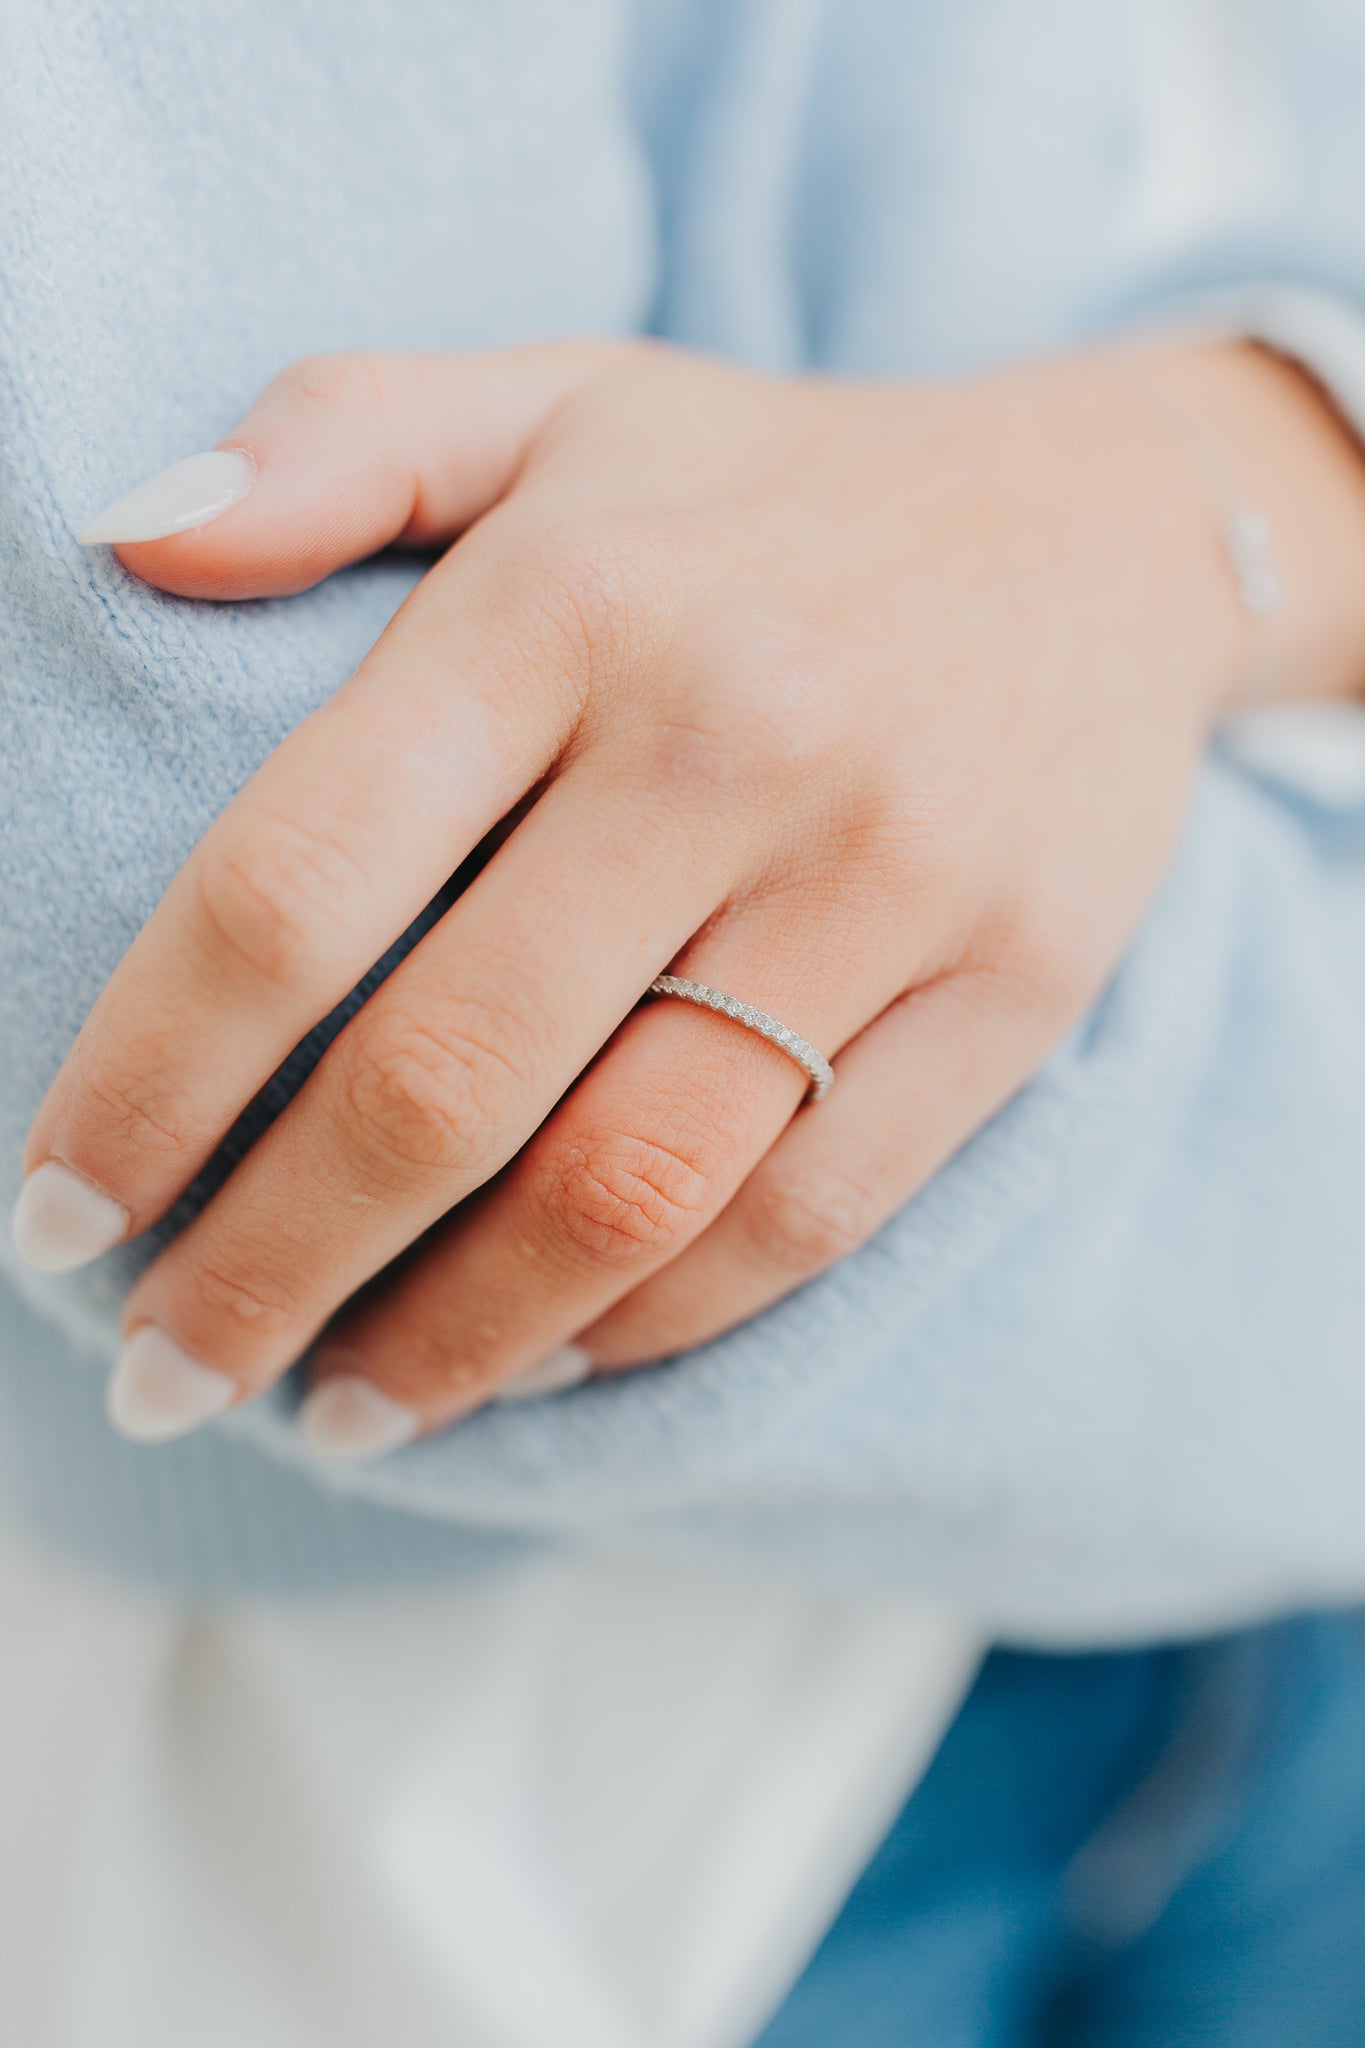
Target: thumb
column 339, row 457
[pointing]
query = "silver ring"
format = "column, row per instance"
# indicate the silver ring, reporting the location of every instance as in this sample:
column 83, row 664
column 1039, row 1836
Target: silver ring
column 813, row 1064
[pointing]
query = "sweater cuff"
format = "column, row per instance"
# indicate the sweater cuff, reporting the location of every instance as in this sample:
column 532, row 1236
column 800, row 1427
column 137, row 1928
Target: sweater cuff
column 1322, row 331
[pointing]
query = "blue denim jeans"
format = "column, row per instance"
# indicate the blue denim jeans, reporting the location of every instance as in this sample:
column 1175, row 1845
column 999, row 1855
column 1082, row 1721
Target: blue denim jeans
column 1152, row 1849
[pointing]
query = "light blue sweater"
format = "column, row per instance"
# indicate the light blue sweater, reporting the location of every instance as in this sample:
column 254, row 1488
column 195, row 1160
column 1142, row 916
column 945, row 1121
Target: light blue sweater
column 1107, row 1374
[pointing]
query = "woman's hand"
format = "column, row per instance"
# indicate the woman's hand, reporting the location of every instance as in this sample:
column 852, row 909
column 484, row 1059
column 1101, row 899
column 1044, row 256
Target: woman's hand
column 874, row 707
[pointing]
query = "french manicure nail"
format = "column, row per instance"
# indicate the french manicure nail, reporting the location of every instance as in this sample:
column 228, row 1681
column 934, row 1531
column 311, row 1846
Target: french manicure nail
column 189, row 493
column 157, row 1391
column 61, row 1220
column 346, row 1417
column 565, row 1368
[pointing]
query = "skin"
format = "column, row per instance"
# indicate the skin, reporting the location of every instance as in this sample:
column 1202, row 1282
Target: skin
column 877, row 706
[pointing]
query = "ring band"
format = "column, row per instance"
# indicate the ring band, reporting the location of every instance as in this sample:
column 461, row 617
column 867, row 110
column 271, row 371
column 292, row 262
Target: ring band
column 813, row 1064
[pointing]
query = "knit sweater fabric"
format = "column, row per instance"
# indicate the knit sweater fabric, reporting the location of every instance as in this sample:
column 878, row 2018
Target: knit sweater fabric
column 1103, row 1376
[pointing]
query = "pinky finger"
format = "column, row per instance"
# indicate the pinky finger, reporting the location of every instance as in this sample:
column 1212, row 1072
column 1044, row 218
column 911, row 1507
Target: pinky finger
column 912, row 1088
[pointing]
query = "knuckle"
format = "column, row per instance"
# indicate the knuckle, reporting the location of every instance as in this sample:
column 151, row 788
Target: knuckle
column 437, row 1366
column 803, row 1224
column 760, row 719
column 699, row 763
column 233, row 1282
column 1039, row 966
column 615, row 1196
column 417, row 1099
column 784, row 679
column 346, row 381
column 278, row 904
column 596, row 586
column 576, row 605
column 141, row 1112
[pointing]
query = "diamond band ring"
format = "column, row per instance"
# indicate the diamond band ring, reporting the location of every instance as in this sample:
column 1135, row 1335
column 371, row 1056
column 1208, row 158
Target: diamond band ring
column 813, row 1064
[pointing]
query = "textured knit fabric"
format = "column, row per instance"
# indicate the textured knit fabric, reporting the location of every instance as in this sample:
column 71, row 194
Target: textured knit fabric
column 1104, row 1375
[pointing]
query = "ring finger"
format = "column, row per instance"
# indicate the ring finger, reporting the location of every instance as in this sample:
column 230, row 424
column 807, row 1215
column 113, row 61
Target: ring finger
column 913, row 1087
column 644, row 1155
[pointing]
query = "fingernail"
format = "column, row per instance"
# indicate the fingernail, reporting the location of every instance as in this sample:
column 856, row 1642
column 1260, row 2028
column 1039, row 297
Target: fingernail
column 61, row 1220
column 346, row 1417
column 189, row 493
column 565, row 1368
column 157, row 1391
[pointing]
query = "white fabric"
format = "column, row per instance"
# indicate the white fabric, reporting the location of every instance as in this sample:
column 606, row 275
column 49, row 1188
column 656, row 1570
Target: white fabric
column 584, row 1805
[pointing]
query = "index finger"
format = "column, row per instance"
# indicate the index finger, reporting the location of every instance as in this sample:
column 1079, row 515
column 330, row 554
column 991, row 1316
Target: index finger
column 321, row 862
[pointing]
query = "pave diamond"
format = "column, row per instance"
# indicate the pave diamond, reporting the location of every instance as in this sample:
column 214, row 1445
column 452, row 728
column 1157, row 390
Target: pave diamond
column 813, row 1064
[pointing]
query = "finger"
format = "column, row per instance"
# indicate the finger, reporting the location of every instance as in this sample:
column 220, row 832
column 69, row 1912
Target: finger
column 436, row 1082
column 640, row 1159
column 316, row 867
column 913, row 1087
column 340, row 456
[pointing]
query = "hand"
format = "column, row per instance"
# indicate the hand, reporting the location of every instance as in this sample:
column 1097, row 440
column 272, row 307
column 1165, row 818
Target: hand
column 874, row 707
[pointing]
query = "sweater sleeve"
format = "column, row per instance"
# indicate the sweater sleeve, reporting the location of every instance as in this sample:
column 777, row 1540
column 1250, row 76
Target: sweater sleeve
column 1103, row 1376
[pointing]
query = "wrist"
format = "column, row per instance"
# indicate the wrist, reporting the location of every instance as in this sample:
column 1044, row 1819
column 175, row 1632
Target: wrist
column 1258, row 438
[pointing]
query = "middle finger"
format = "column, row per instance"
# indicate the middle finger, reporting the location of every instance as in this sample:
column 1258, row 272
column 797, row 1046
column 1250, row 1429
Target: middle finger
column 645, row 1154
column 432, row 1087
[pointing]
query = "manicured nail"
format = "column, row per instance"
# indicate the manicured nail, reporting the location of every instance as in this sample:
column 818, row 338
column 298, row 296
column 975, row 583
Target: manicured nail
column 189, row 493
column 62, row 1220
column 565, row 1368
column 157, row 1391
column 346, row 1417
